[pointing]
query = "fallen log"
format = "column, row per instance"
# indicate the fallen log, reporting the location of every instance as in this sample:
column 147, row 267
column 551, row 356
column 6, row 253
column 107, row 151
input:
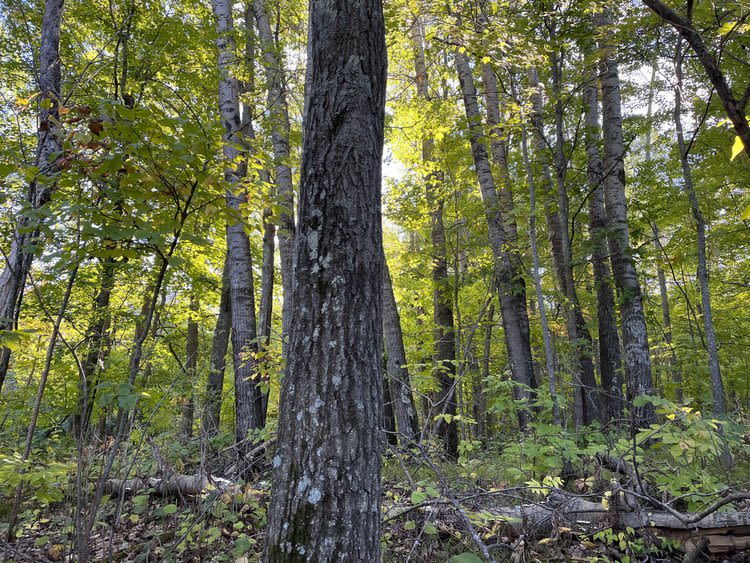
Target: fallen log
column 176, row 484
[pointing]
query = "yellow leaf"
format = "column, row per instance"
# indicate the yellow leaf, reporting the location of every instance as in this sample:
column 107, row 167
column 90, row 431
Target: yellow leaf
column 485, row 60
column 745, row 214
column 737, row 147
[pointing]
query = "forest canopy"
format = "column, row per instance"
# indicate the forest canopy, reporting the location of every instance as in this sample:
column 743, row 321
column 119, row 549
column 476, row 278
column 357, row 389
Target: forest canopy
column 359, row 280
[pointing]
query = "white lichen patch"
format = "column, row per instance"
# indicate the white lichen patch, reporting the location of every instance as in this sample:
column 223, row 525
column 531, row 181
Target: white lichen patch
column 303, row 484
column 313, row 497
column 277, row 461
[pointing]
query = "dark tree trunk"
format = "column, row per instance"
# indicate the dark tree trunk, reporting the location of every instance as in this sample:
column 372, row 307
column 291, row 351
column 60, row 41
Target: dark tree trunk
column 389, row 416
column 191, row 369
column 219, row 345
column 507, row 264
column 398, row 374
column 637, row 360
column 610, row 362
column 49, row 145
column 444, row 351
column 247, row 396
column 325, row 504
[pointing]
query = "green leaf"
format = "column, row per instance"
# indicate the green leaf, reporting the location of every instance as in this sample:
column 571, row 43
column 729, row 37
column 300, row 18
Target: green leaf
column 410, row 525
column 430, row 529
column 466, row 557
column 169, row 509
column 745, row 214
column 737, row 147
column 418, row 497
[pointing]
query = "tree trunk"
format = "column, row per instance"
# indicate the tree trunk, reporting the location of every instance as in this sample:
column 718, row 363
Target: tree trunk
column 507, row 265
column 325, row 503
column 634, row 334
column 279, row 114
column 610, row 361
column 717, row 386
column 549, row 349
column 444, row 352
column 398, row 374
column 248, row 399
column 191, row 369
column 49, row 145
column 220, row 343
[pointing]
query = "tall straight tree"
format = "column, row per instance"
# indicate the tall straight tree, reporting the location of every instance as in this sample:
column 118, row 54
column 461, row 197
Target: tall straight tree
column 273, row 61
column 717, row 385
column 49, row 146
column 219, row 345
column 507, row 267
column 444, row 353
column 610, row 361
column 325, row 504
column 637, row 360
column 248, row 400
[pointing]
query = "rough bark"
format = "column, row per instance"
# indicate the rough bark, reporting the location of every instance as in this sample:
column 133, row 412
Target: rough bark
column 219, row 345
column 734, row 108
column 610, row 361
column 398, row 374
column 507, row 266
column 49, row 145
column 325, row 503
column 444, row 351
column 637, row 360
column 248, row 398
column 717, row 386
column 279, row 114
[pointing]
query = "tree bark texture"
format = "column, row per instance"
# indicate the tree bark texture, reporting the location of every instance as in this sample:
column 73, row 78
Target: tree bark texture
column 637, row 360
column 325, row 504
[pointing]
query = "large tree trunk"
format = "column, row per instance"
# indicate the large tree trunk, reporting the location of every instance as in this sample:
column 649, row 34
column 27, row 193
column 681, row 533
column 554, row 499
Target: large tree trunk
column 49, row 145
column 610, row 361
column 219, row 345
column 325, row 503
column 634, row 334
column 507, row 265
column 398, row 374
column 248, row 399
column 279, row 113
column 717, row 386
column 444, row 352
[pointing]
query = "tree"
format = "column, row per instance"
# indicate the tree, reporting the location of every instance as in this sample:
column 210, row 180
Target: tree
column 325, row 503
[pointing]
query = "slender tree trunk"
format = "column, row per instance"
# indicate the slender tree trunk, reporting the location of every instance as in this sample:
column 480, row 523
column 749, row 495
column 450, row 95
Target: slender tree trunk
column 191, row 369
column 507, row 265
column 610, row 361
column 549, row 350
column 248, row 398
column 49, row 145
column 637, row 360
column 389, row 416
column 325, row 503
column 717, row 386
column 398, row 374
column 38, row 401
column 279, row 114
column 444, row 355
column 219, row 345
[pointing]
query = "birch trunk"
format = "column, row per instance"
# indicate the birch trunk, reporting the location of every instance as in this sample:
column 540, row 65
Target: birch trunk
column 248, row 398
column 279, row 114
column 325, row 504
column 49, row 145
column 606, row 313
column 637, row 360
column 508, row 270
